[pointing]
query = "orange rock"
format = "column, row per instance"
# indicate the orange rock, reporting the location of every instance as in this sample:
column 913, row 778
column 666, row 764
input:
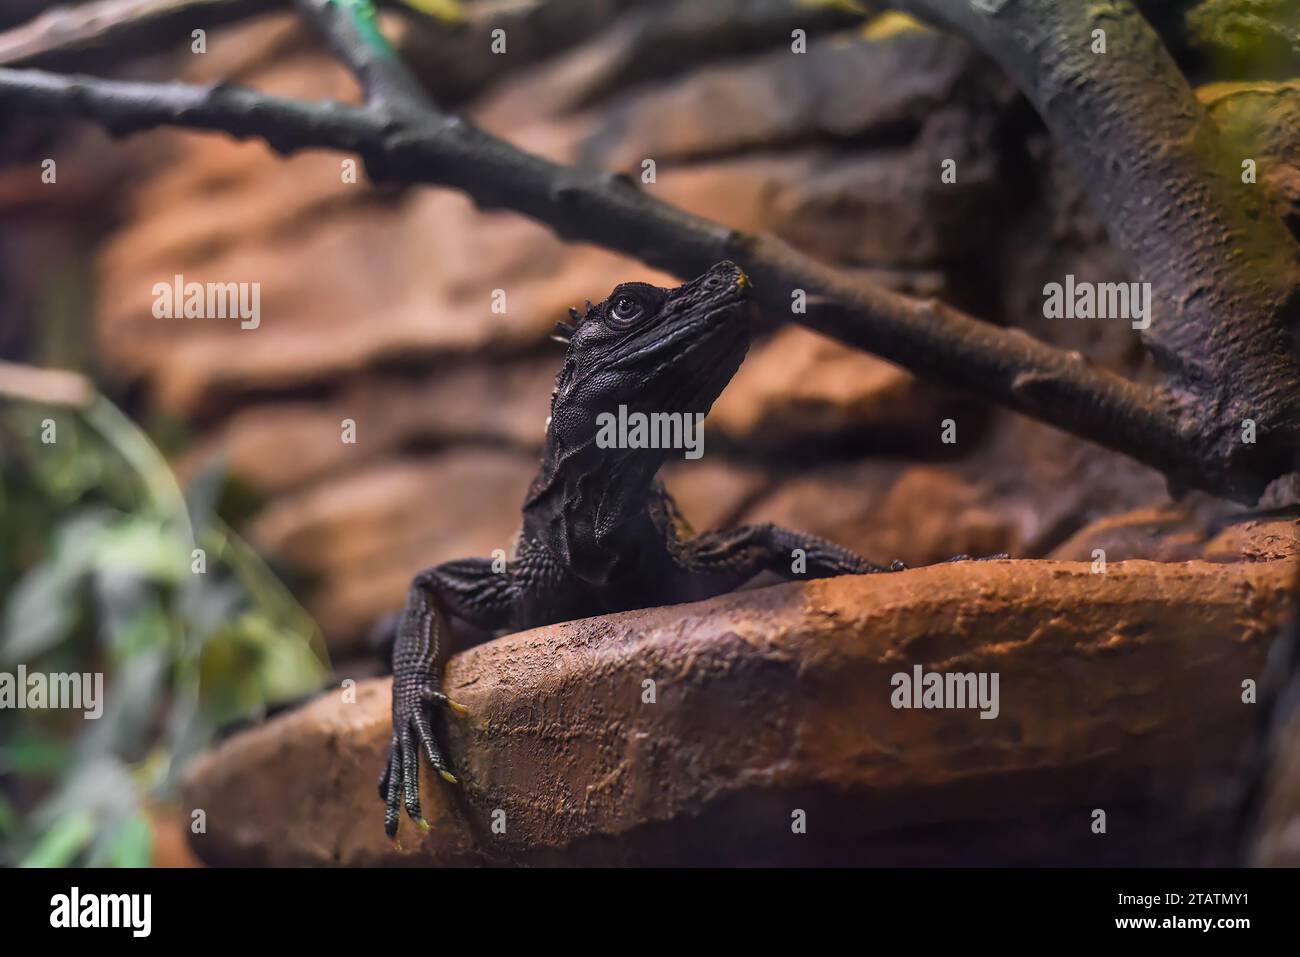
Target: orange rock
column 364, row 534
column 801, row 389
column 1118, row 691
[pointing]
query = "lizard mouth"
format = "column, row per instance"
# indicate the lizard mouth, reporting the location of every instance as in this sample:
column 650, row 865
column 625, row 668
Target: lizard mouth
column 694, row 357
column 708, row 311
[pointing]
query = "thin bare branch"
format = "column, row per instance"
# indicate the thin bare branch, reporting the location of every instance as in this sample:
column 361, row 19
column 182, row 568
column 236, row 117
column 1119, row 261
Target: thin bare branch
column 927, row 337
column 353, row 31
column 46, row 386
column 63, row 33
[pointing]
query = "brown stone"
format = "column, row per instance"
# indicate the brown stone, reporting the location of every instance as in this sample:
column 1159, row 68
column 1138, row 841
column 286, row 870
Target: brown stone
column 1209, row 529
column 351, row 277
column 890, row 511
column 1256, row 540
column 1167, row 533
column 1117, row 691
column 800, row 390
column 362, row 536
column 712, row 492
column 276, row 447
column 321, row 315
column 844, row 88
column 1022, row 489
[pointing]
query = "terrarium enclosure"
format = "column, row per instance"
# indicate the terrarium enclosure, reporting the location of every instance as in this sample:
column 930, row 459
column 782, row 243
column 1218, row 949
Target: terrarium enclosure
column 279, row 293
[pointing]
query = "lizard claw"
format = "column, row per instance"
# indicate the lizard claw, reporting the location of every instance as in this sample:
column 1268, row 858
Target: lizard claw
column 399, row 785
column 432, row 695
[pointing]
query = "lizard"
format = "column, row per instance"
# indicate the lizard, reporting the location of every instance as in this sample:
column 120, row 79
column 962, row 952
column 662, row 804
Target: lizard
column 599, row 533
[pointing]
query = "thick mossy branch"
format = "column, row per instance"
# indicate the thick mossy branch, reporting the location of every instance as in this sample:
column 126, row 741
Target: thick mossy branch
column 1224, row 269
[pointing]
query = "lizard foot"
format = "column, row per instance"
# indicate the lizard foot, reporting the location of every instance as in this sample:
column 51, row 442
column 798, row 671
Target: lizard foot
column 399, row 785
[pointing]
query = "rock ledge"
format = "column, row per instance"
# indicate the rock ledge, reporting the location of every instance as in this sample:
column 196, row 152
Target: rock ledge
column 1119, row 691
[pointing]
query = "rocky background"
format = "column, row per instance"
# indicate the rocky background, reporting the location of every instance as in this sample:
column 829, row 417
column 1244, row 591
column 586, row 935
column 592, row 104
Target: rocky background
column 377, row 305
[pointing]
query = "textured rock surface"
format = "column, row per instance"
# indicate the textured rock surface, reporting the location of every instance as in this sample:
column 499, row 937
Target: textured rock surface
column 1184, row 531
column 365, row 520
column 1257, row 540
column 801, row 392
column 1118, row 691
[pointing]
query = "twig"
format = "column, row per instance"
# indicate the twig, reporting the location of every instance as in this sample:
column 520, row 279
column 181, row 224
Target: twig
column 64, row 32
column 46, row 386
column 353, row 30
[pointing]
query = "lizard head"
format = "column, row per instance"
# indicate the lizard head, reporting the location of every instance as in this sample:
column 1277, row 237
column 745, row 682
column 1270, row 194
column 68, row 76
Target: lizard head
column 653, row 350
column 644, row 354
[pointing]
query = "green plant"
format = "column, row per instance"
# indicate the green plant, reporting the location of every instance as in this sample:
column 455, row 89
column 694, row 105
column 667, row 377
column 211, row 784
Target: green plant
column 107, row 566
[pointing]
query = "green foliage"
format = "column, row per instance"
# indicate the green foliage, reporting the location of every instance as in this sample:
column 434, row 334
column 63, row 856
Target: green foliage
column 450, row 10
column 97, row 574
column 1247, row 39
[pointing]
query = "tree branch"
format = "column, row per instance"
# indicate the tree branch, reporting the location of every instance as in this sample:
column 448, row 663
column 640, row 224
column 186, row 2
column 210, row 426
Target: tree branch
column 927, row 337
column 447, row 58
column 1224, row 269
column 61, row 34
column 353, row 31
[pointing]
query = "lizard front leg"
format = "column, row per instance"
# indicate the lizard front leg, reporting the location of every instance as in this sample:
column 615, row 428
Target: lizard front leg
column 469, row 589
column 720, row 561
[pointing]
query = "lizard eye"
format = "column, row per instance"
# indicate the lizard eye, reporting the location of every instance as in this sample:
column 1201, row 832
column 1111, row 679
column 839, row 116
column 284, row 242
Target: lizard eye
column 625, row 311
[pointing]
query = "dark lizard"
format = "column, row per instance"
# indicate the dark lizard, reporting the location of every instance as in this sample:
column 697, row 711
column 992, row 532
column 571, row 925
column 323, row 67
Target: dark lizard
column 600, row 534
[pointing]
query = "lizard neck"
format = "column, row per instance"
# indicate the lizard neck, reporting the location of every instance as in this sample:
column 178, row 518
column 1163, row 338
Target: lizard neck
column 586, row 502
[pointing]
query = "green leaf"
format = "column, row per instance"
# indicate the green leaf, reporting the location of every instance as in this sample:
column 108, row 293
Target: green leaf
column 40, row 613
column 132, row 846
column 43, row 607
column 146, row 546
column 203, row 493
column 8, row 817
column 289, row 669
column 65, row 840
column 34, row 756
column 139, row 683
